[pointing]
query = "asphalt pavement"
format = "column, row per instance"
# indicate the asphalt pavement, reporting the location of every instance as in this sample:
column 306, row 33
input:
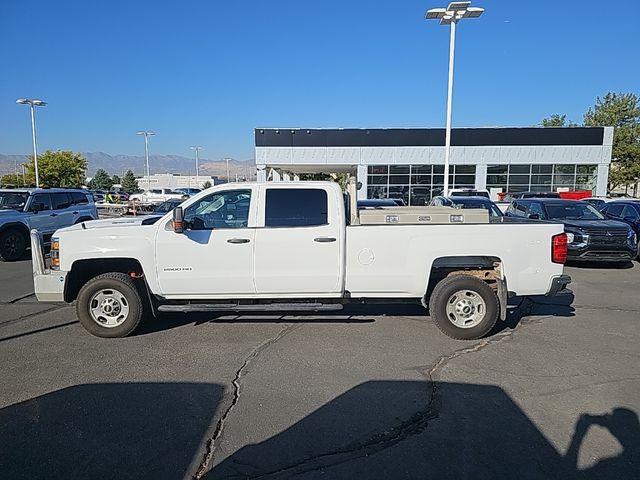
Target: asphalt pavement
column 372, row 392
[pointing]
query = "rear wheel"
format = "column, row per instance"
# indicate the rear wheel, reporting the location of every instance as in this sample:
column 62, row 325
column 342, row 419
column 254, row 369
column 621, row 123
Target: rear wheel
column 13, row 245
column 110, row 305
column 464, row 307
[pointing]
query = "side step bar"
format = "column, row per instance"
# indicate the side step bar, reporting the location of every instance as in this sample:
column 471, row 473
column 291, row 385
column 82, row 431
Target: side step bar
column 267, row 307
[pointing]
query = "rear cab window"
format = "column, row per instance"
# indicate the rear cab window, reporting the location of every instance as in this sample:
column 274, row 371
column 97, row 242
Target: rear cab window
column 295, row 207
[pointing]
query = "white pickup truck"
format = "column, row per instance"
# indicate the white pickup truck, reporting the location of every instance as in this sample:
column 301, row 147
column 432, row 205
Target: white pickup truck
column 298, row 246
column 156, row 195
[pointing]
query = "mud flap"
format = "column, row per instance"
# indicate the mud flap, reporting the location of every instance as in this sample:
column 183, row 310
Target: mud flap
column 503, row 294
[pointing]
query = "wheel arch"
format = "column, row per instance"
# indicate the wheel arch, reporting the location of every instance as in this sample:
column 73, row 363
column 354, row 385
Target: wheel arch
column 17, row 225
column 84, row 270
column 487, row 268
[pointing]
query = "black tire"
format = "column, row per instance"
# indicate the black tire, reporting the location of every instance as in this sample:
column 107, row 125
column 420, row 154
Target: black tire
column 445, row 292
column 128, row 294
column 13, row 245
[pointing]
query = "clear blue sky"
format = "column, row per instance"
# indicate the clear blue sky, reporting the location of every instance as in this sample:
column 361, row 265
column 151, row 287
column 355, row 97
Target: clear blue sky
column 207, row 72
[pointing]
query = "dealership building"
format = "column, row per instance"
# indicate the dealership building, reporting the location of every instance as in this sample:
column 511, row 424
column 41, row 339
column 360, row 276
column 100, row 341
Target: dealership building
column 408, row 163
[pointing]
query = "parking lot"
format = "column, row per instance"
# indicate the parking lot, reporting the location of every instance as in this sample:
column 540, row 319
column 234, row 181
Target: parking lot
column 375, row 392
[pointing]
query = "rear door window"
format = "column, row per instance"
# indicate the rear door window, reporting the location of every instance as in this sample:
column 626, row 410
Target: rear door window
column 60, row 201
column 296, row 207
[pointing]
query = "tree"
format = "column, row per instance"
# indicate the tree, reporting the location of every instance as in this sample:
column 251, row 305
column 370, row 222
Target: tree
column 621, row 111
column 101, row 181
column 129, row 182
column 206, row 185
column 116, row 179
column 555, row 120
column 62, row 168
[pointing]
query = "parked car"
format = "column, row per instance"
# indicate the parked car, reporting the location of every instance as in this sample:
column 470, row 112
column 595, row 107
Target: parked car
column 591, row 236
column 44, row 210
column 377, row 202
column 469, row 202
column 166, row 207
column 468, row 192
column 598, row 202
column 188, row 191
column 627, row 211
column 155, row 195
column 513, row 196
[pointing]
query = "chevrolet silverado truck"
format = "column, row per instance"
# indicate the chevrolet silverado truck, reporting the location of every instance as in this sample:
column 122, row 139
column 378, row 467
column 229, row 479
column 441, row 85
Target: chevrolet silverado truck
column 45, row 210
column 299, row 246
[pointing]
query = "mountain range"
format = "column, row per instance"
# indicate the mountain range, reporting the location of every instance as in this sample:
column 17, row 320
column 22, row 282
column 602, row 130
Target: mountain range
column 119, row 164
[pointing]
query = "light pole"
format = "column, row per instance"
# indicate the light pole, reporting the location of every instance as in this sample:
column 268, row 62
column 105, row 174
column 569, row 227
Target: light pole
column 451, row 15
column 33, row 103
column 197, row 148
column 227, row 160
column 146, row 152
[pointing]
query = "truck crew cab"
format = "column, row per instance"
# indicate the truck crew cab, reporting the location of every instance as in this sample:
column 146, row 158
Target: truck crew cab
column 296, row 246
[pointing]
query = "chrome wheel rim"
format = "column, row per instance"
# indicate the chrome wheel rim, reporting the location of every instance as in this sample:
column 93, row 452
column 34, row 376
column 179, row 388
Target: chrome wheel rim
column 109, row 308
column 466, row 308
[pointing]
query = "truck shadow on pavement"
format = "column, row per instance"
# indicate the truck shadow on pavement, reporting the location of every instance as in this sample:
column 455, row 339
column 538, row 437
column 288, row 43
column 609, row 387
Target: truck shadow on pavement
column 108, row 430
column 376, row 430
column 405, row 429
column 534, row 308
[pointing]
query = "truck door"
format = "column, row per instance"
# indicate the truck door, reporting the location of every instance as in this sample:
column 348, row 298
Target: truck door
column 214, row 256
column 61, row 204
column 298, row 246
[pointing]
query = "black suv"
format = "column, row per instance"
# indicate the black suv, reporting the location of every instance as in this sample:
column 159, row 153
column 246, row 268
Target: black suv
column 592, row 237
column 627, row 211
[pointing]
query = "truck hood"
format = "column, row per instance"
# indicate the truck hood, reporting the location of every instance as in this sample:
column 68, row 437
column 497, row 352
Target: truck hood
column 113, row 222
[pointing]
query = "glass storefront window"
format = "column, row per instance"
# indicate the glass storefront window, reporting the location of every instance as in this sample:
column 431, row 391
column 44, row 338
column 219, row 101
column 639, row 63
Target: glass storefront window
column 395, row 169
column 378, row 170
column 564, row 169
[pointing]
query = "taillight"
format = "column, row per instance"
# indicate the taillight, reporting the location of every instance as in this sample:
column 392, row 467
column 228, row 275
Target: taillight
column 559, row 248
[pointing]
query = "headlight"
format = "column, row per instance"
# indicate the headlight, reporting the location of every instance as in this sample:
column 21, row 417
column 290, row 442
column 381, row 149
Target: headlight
column 570, row 237
column 632, row 238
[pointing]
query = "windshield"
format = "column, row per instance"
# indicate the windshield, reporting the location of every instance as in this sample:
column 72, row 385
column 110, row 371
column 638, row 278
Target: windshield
column 572, row 211
column 12, row 200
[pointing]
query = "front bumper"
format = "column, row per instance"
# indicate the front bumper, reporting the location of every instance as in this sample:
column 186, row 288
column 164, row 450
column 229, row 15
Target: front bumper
column 48, row 284
column 558, row 284
column 600, row 253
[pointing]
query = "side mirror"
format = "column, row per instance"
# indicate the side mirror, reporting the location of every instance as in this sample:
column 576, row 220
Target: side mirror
column 534, row 216
column 37, row 207
column 178, row 220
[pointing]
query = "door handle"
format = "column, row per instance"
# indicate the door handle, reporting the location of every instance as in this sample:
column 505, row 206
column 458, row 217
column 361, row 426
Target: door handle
column 53, row 215
column 75, row 213
column 238, row 240
column 324, row 239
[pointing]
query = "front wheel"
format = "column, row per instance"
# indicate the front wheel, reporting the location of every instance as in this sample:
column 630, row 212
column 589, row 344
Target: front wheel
column 110, row 305
column 13, row 245
column 464, row 307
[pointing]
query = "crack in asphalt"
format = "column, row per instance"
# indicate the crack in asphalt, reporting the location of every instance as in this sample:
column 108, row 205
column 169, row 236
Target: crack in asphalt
column 214, row 441
column 416, row 424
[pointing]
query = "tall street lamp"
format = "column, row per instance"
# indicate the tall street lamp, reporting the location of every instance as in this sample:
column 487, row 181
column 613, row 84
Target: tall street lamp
column 33, row 103
column 451, row 15
column 146, row 151
column 197, row 148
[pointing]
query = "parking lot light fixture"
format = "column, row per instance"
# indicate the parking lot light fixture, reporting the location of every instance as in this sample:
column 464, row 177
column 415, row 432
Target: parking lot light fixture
column 451, row 15
column 196, row 149
column 32, row 104
column 146, row 151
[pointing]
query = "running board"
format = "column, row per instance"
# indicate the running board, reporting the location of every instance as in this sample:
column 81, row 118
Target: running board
column 234, row 307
